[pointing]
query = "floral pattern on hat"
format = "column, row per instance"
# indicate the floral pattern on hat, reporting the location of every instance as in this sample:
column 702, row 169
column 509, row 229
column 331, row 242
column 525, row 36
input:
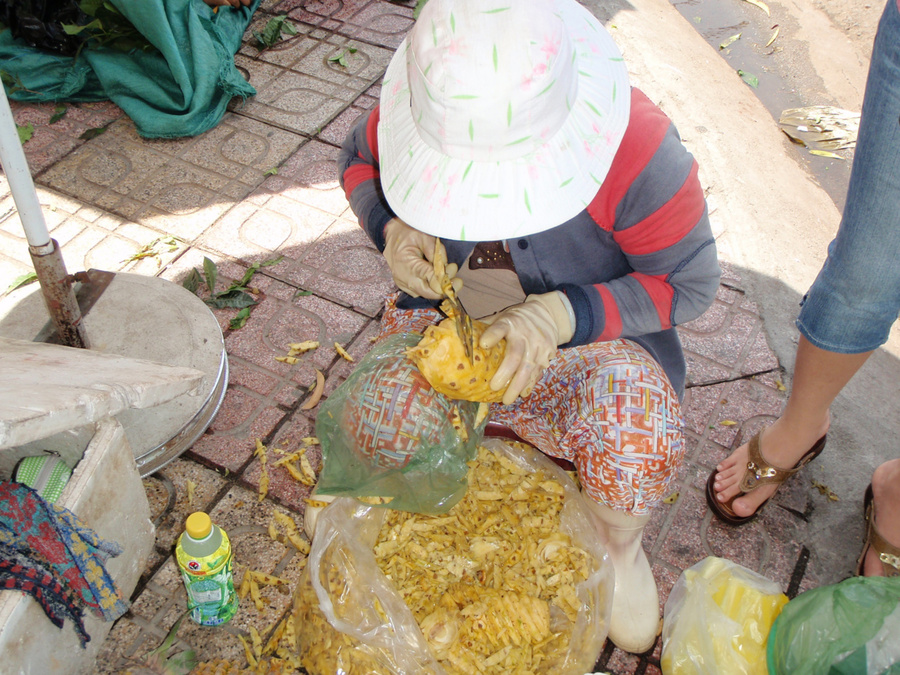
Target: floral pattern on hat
column 500, row 120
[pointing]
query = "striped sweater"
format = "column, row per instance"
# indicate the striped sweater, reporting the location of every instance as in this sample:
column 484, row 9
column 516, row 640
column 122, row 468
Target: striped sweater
column 639, row 260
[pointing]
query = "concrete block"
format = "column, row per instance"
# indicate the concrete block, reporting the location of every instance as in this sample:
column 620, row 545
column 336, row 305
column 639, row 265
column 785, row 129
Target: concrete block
column 106, row 493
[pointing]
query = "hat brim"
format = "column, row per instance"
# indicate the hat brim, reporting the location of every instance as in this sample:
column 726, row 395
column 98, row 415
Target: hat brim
column 487, row 201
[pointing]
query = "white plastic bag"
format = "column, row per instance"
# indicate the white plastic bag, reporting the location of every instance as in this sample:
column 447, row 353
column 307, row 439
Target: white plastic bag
column 717, row 620
column 377, row 632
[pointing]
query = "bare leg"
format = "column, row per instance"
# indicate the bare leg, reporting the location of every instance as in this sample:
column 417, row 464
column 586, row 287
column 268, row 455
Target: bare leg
column 819, row 376
column 886, row 494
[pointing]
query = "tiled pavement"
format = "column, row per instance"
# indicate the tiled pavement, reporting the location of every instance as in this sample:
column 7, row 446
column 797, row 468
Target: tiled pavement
column 108, row 197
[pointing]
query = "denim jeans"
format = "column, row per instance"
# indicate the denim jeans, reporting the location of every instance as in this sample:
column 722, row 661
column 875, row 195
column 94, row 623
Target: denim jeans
column 855, row 299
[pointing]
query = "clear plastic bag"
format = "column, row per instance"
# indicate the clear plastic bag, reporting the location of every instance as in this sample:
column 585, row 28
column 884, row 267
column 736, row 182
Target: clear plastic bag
column 717, row 619
column 385, row 432
column 849, row 628
column 350, row 617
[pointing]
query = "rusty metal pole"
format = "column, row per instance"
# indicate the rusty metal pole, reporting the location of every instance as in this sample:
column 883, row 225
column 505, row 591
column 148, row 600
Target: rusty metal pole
column 59, row 296
column 56, row 284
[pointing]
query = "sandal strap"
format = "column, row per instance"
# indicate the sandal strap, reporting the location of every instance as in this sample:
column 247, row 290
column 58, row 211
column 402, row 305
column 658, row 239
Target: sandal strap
column 887, row 552
column 759, row 472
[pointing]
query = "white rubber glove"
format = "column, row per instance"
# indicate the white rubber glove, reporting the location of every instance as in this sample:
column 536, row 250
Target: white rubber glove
column 533, row 331
column 410, row 255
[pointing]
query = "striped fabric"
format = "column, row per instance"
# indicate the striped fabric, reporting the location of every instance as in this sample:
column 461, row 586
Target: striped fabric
column 637, row 261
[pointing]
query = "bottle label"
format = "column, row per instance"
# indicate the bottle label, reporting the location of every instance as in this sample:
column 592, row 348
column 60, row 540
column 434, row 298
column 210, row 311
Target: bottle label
column 210, row 584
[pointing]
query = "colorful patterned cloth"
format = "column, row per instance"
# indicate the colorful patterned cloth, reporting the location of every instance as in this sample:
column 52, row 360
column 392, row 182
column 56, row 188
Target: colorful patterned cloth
column 608, row 407
column 23, row 573
column 55, row 541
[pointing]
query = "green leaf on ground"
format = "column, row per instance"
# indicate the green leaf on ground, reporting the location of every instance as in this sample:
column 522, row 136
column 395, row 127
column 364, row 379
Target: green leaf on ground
column 236, row 298
column 22, row 280
column 341, row 59
column 240, row 319
column 92, row 133
column 155, row 248
column 273, row 30
column 301, row 293
column 58, row 113
column 727, row 43
column 211, row 272
column 25, row 132
column 165, row 661
column 192, row 280
column 749, row 78
column 271, row 172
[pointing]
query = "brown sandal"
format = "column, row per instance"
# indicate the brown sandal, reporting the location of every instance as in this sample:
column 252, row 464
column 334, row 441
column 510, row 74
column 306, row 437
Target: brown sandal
column 758, row 473
column 887, row 552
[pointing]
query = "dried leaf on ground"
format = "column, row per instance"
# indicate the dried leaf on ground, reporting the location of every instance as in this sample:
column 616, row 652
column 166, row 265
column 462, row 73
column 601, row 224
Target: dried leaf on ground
column 191, row 487
column 825, row 153
column 313, row 400
column 263, row 483
column 825, row 490
column 727, row 43
column 758, row 3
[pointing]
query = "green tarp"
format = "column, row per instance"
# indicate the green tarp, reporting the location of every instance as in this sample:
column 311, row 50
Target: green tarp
column 180, row 90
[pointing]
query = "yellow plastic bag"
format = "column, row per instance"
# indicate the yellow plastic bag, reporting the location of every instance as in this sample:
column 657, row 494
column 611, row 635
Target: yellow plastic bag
column 717, row 620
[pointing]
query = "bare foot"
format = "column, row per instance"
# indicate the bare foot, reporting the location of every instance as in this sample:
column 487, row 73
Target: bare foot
column 781, row 446
column 886, row 496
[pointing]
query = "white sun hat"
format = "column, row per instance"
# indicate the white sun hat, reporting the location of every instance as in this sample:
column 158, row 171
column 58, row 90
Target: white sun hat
column 500, row 118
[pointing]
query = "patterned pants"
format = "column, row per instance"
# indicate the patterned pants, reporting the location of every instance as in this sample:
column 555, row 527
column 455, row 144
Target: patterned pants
column 607, row 407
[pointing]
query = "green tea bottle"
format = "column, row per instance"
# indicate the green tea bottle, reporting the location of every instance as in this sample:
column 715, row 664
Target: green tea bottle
column 203, row 553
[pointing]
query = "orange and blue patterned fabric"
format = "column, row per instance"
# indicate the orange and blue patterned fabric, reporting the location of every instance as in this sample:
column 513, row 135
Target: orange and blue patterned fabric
column 607, row 407
column 47, row 548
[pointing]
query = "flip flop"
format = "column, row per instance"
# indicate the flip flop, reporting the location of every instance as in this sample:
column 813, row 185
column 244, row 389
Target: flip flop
column 758, row 473
column 887, row 552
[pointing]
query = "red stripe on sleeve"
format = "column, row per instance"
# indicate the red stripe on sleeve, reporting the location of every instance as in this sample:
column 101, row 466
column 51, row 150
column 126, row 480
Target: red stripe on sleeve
column 356, row 174
column 671, row 222
column 647, row 126
column 372, row 132
column 613, row 327
column 661, row 294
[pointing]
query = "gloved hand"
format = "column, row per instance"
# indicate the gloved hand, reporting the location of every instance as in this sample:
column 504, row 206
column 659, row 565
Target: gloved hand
column 410, row 255
column 533, row 330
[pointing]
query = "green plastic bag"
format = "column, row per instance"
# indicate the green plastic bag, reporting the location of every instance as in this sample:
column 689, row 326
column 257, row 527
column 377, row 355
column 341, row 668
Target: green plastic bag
column 385, row 432
column 852, row 627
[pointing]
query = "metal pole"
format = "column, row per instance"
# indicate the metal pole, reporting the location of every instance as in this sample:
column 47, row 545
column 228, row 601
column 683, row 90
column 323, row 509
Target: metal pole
column 56, row 284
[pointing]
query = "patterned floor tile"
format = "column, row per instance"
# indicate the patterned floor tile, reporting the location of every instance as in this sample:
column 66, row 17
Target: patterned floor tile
column 296, row 101
column 178, row 186
column 375, row 21
column 58, row 127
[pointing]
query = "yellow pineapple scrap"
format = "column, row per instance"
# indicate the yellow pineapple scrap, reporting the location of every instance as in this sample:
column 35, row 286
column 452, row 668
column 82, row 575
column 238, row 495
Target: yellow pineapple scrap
column 343, row 352
column 441, row 358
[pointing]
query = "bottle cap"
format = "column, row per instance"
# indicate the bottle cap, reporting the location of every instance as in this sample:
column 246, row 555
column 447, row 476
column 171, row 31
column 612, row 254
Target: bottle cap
column 198, row 525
